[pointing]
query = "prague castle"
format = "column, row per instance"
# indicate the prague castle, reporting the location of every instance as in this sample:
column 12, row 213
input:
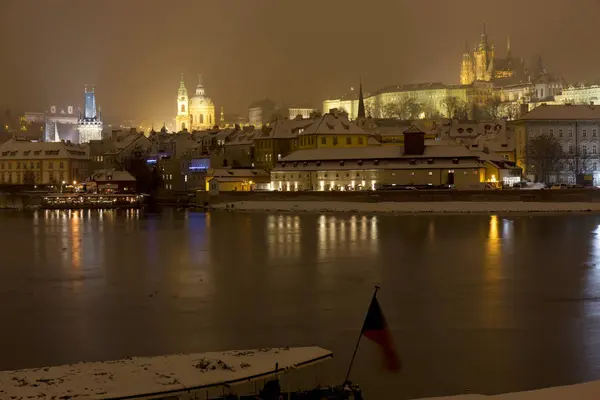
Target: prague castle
column 482, row 64
column 195, row 113
column 490, row 87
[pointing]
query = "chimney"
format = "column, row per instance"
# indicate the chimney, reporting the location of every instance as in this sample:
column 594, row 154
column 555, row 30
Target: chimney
column 523, row 109
column 414, row 141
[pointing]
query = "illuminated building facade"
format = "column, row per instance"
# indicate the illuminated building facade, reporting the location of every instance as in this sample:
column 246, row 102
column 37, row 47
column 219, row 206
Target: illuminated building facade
column 56, row 124
column 418, row 162
column 430, row 99
column 579, row 95
column 482, row 65
column 577, row 128
column 23, row 162
column 195, row 113
column 89, row 124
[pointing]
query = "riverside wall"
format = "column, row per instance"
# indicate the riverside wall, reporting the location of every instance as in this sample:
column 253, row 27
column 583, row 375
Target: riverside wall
column 549, row 196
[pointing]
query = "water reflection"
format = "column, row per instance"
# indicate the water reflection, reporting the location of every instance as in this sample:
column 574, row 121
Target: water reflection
column 475, row 295
column 283, row 237
column 340, row 233
column 75, row 235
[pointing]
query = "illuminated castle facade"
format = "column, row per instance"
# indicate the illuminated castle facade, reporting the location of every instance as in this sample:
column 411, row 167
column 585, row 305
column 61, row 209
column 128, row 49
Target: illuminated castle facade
column 482, row 65
column 195, row 113
column 89, row 124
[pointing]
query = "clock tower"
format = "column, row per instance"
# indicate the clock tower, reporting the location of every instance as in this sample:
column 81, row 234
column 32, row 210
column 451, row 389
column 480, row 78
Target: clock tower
column 183, row 114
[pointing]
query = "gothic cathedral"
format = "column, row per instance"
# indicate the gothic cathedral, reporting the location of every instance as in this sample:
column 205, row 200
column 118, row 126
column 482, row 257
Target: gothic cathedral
column 195, row 113
column 482, row 65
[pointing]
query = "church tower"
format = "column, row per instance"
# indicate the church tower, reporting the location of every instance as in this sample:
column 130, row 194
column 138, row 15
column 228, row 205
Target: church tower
column 467, row 73
column 182, row 121
column 484, row 56
column 89, row 125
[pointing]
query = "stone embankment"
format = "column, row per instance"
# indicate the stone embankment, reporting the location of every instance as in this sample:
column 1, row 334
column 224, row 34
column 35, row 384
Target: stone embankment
column 439, row 201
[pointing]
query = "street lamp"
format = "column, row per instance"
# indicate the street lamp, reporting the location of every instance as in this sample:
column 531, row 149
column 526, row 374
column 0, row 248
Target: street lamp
column 61, row 186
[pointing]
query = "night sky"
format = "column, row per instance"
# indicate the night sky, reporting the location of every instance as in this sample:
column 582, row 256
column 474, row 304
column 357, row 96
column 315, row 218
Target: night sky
column 290, row 51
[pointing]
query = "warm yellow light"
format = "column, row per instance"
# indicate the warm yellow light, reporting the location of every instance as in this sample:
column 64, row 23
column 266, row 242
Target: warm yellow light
column 493, row 178
column 63, row 182
column 74, row 182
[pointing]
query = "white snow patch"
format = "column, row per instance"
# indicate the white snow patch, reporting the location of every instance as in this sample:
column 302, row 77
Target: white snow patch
column 410, row 207
column 582, row 391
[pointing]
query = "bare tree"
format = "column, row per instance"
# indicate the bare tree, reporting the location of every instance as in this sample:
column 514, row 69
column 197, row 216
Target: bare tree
column 411, row 109
column 580, row 162
column 492, row 109
column 545, row 156
column 406, row 109
column 455, row 107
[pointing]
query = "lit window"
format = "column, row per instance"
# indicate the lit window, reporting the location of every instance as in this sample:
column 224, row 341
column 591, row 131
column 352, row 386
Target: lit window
column 430, row 173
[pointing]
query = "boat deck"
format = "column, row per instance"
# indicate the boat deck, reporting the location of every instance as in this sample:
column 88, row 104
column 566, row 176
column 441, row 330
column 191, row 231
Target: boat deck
column 142, row 377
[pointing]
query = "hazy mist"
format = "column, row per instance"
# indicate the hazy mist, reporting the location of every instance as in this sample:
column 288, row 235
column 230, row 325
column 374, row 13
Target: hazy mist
column 295, row 52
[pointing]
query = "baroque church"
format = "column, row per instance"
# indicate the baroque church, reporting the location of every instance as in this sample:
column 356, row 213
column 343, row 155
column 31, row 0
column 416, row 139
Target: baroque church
column 195, row 113
column 482, row 65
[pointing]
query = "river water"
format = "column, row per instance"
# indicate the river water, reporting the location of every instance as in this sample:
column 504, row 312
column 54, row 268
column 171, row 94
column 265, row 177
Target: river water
column 476, row 303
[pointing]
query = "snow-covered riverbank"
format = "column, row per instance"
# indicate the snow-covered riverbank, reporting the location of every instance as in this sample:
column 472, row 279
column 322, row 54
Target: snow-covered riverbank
column 583, row 391
column 409, row 207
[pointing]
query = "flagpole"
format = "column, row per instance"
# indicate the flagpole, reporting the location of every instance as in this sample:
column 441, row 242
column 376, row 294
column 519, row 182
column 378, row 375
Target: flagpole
column 358, row 341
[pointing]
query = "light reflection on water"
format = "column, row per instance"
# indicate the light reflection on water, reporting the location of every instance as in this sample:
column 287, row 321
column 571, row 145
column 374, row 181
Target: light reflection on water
column 474, row 302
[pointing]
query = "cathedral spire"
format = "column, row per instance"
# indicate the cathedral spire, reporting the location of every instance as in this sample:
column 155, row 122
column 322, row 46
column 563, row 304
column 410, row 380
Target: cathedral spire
column 361, row 102
column 200, row 87
column 182, row 92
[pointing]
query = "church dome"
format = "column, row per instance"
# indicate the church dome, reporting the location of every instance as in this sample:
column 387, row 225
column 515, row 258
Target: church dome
column 199, row 99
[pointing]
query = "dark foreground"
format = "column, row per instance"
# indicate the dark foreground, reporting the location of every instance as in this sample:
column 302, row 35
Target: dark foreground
column 476, row 303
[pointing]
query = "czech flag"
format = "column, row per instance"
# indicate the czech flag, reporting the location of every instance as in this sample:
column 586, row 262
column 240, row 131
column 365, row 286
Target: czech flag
column 376, row 329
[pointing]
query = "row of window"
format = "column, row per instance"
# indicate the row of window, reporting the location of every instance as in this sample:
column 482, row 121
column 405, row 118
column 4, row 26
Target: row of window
column 310, row 140
column 361, row 162
column 357, row 176
column 27, row 177
column 584, row 132
column 584, row 149
column 28, row 165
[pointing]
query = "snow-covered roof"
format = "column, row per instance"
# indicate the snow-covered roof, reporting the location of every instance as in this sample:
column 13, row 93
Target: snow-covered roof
column 411, row 87
column 334, row 124
column 103, row 175
column 237, row 172
column 27, row 150
column 376, row 164
column 563, row 112
column 163, row 375
column 433, row 149
column 285, row 128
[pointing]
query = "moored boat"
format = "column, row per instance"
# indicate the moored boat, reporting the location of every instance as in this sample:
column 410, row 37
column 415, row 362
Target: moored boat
column 180, row 376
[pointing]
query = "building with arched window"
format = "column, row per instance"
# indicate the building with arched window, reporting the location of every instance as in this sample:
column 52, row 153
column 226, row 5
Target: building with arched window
column 195, row 113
